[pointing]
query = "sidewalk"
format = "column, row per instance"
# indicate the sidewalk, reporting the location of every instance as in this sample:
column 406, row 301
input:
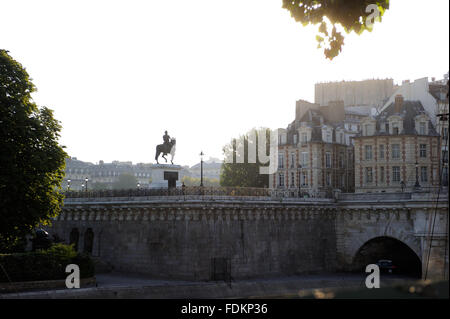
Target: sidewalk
column 127, row 286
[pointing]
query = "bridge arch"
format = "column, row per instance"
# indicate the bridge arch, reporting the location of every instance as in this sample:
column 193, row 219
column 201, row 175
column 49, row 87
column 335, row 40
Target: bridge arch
column 402, row 255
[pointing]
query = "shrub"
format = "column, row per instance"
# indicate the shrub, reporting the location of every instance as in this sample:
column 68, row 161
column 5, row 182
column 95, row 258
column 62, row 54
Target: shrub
column 47, row 264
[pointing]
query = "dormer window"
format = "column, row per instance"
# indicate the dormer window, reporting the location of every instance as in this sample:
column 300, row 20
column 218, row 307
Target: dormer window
column 422, row 128
column 422, row 124
column 395, row 128
column 304, row 137
column 295, row 139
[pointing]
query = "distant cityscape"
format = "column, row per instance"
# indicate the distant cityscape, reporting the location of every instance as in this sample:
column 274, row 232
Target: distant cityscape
column 357, row 136
column 103, row 175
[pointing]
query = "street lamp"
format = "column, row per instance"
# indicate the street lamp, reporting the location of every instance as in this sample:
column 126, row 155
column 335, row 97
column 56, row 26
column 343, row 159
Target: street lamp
column 68, row 184
column 201, row 168
column 138, row 185
column 86, row 180
column 417, row 185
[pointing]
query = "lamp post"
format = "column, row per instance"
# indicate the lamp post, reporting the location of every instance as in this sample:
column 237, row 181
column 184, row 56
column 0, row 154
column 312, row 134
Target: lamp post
column 201, row 168
column 68, row 184
column 86, row 180
column 417, row 185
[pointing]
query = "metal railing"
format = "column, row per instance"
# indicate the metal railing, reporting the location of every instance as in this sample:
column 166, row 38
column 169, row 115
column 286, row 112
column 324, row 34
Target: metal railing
column 179, row 191
column 274, row 193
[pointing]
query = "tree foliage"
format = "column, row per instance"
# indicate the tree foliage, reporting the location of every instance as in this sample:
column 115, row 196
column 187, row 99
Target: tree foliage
column 242, row 173
column 125, row 181
column 352, row 15
column 31, row 160
column 195, row 181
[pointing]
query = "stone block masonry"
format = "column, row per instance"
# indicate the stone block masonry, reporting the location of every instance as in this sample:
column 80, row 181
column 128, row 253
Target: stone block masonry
column 204, row 241
column 226, row 237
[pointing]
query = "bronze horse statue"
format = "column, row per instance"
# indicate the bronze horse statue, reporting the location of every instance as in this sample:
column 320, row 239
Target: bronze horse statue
column 165, row 149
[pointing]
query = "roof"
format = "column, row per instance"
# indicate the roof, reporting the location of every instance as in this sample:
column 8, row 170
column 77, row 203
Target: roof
column 409, row 110
column 358, row 110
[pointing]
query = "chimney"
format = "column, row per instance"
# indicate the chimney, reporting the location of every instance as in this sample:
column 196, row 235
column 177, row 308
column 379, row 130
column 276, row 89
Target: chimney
column 335, row 111
column 398, row 103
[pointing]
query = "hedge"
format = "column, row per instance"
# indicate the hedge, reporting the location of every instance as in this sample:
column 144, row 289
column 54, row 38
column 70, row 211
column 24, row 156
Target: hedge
column 47, row 264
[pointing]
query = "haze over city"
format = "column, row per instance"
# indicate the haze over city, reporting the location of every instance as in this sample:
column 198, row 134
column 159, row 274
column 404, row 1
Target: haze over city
column 118, row 76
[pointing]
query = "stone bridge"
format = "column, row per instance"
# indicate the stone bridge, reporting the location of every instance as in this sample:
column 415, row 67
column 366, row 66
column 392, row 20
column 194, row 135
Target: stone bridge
column 231, row 237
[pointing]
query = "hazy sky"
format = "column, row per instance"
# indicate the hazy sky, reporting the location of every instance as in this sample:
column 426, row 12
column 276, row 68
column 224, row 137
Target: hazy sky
column 119, row 73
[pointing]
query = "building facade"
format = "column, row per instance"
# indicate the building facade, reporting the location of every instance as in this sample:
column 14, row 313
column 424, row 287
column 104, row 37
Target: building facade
column 103, row 175
column 315, row 156
column 372, row 92
column 399, row 150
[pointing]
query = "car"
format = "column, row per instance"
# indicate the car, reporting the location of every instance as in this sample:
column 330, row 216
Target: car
column 386, row 266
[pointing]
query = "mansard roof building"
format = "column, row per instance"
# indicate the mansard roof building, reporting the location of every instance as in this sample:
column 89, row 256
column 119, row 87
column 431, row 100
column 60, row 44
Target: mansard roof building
column 398, row 150
column 314, row 152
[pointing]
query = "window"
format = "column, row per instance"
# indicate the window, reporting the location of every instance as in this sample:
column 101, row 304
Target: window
column 445, row 176
column 367, row 129
column 293, row 160
column 295, row 139
column 396, row 173
column 341, row 160
column 328, row 179
column 395, row 151
column 328, row 137
column 281, row 180
column 369, row 177
column 328, row 160
column 423, row 150
column 368, row 152
column 423, row 174
column 422, row 126
column 445, row 156
column 304, row 137
column 444, row 132
column 305, row 178
column 395, row 128
column 280, row 160
column 342, row 138
column 382, row 174
column 304, row 160
column 381, row 151
column 292, row 179
column 386, row 127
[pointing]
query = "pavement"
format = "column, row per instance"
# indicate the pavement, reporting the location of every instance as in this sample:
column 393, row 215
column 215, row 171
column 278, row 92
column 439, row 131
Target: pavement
column 133, row 286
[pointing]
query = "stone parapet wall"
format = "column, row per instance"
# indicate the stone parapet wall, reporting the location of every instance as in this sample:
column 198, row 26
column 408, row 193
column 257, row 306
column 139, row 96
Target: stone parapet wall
column 211, row 238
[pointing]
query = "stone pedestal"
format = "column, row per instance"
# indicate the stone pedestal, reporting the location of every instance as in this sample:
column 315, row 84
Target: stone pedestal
column 165, row 175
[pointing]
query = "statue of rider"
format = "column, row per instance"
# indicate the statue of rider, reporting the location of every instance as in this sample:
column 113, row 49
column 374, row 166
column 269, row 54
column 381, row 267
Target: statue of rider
column 166, row 139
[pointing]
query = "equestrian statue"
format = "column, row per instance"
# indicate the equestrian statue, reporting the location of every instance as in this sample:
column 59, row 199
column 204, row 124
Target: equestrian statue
column 167, row 148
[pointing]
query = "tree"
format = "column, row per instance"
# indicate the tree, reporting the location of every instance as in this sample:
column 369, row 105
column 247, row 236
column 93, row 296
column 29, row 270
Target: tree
column 352, row 15
column 195, row 181
column 242, row 172
column 31, row 160
column 99, row 186
column 125, row 181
